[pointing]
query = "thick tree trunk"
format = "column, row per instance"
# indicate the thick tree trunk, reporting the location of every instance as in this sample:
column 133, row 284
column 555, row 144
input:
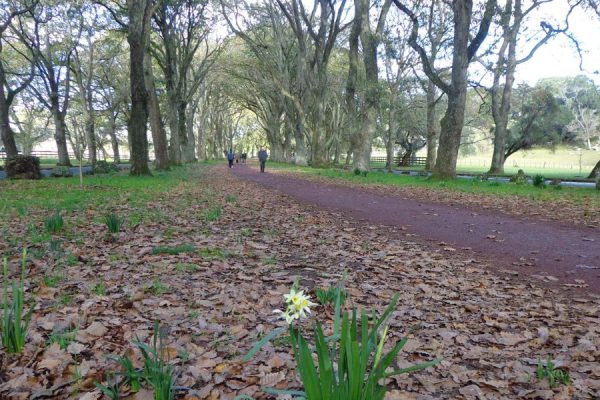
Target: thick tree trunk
column 60, row 136
column 498, row 157
column 370, row 42
column 301, row 154
column 453, row 120
column 432, row 130
column 159, row 136
column 174, row 138
column 138, row 119
column 187, row 148
column 595, row 172
column 6, row 133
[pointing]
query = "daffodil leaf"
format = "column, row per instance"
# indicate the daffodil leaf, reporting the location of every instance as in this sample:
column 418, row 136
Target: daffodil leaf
column 259, row 345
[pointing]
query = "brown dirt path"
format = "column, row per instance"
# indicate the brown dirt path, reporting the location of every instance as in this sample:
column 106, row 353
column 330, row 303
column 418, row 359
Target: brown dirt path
column 554, row 253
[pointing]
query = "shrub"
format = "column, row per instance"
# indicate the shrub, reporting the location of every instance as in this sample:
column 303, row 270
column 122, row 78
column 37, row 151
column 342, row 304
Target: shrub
column 520, row 178
column 538, row 181
column 14, row 323
column 113, row 223
column 23, row 167
column 598, row 182
column 104, row 167
column 54, row 223
column 356, row 171
column 60, row 171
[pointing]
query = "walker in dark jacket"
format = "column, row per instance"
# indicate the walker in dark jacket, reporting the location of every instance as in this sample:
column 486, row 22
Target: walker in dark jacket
column 230, row 157
column 262, row 159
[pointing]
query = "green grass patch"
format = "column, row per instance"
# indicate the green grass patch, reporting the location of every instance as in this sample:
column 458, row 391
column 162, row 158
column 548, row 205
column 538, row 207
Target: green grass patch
column 110, row 191
column 459, row 185
column 213, row 214
column 174, row 250
column 213, row 253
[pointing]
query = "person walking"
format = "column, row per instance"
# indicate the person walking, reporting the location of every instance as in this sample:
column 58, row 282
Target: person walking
column 230, row 157
column 262, row 159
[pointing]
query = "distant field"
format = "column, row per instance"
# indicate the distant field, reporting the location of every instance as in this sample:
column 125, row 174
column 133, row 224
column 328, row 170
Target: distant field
column 561, row 163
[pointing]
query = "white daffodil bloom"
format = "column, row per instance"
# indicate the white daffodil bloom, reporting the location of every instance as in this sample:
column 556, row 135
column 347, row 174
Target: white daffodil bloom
column 298, row 305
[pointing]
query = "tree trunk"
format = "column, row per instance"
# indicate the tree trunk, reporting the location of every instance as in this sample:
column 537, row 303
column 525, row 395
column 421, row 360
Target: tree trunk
column 159, row 136
column 201, row 143
column 453, row 120
column 187, row 148
column 60, row 136
column 501, row 96
column 432, row 130
column 392, row 129
column 174, row 142
column 370, row 42
column 6, row 133
column 113, row 139
column 301, row 155
column 90, row 132
column 595, row 172
column 191, row 137
column 138, row 11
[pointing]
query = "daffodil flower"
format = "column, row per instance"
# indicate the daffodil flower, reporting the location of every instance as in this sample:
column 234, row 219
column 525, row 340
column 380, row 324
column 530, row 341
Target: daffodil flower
column 298, row 305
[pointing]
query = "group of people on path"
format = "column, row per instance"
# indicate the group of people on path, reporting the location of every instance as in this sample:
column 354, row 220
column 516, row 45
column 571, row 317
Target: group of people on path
column 262, row 158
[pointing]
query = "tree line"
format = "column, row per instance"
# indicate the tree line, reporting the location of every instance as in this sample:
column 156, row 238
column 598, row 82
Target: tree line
column 319, row 82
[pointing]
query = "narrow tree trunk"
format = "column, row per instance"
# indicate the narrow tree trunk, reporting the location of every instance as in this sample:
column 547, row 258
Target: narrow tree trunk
column 90, row 132
column 191, row 137
column 113, row 139
column 159, row 136
column 501, row 95
column 201, row 143
column 392, row 129
column 432, row 130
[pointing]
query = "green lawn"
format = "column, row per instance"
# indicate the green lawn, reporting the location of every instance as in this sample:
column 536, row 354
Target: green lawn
column 562, row 163
column 462, row 185
column 107, row 190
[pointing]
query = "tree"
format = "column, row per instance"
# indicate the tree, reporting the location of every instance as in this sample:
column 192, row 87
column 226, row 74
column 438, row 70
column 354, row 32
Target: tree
column 511, row 23
column 52, row 39
column 370, row 39
column 182, row 27
column 316, row 33
column 539, row 119
column 32, row 126
column 464, row 49
column 11, row 82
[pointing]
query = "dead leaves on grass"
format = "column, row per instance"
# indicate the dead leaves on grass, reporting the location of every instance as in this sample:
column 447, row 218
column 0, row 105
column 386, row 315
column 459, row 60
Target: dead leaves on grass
column 216, row 302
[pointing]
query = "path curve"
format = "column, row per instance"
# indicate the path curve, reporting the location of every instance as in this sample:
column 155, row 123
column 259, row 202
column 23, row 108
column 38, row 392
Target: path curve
column 565, row 254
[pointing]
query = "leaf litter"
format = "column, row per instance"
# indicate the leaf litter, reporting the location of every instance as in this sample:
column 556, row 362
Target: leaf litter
column 217, row 300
